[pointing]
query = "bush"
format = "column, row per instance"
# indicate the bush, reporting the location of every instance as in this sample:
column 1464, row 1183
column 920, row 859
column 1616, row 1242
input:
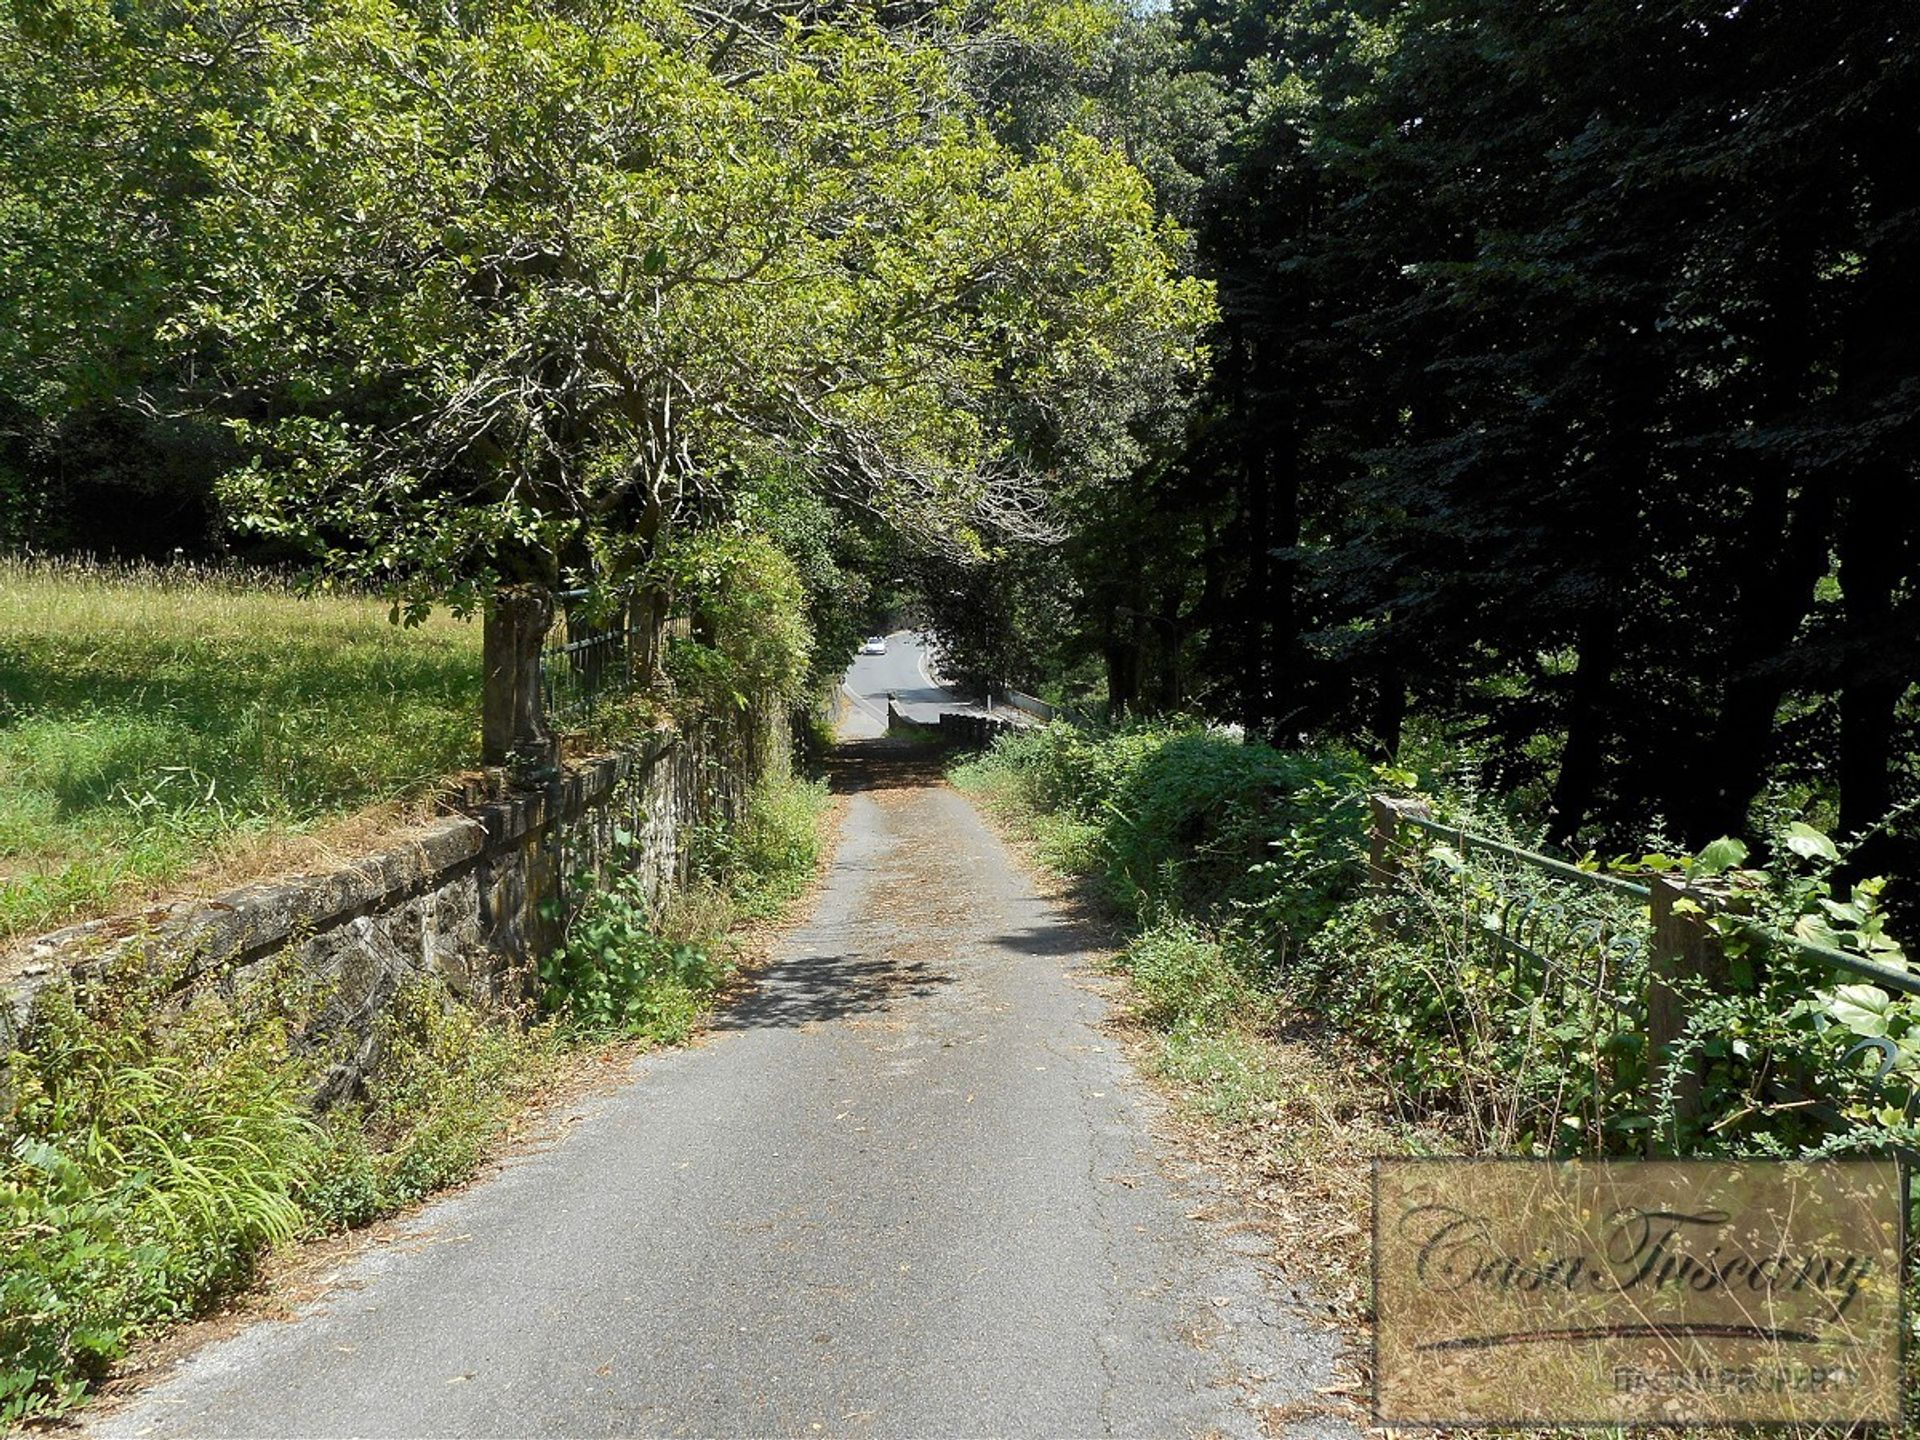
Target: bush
column 1526, row 1061
column 629, row 968
column 768, row 857
column 1541, row 1047
column 1244, row 863
column 1187, row 979
column 69, row 1268
column 448, row 1083
column 616, row 976
column 751, row 644
column 1191, row 818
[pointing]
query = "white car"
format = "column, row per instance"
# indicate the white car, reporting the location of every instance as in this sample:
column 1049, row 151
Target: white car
column 876, row 645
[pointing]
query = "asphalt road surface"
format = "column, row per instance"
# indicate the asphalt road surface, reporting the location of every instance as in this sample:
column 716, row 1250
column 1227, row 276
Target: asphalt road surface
column 904, row 672
column 908, row 1187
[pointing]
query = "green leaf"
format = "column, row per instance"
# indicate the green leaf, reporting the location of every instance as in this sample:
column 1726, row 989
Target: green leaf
column 1720, row 856
column 1808, row 843
column 1862, row 1009
column 1816, row 931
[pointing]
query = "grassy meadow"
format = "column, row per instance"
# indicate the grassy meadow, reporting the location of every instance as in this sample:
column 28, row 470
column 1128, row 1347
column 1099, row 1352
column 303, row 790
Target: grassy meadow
column 171, row 727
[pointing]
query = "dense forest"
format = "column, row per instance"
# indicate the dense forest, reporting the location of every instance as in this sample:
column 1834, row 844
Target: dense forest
column 1563, row 409
column 1558, row 416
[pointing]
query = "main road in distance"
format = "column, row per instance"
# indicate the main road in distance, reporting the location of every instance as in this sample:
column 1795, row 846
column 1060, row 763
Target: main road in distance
column 905, row 672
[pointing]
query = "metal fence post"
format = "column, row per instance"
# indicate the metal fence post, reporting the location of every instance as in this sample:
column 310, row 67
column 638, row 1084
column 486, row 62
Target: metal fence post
column 1685, row 954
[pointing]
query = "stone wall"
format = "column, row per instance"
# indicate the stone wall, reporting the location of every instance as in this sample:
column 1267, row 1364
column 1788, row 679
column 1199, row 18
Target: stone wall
column 474, row 897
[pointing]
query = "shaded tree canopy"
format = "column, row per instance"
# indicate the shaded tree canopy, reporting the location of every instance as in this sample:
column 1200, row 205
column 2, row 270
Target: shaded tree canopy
column 1558, row 419
column 1562, row 420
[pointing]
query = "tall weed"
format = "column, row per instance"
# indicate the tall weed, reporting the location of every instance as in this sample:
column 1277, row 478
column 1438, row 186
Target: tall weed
column 632, row 968
column 619, row 974
column 1186, row 978
column 768, row 857
column 154, row 1145
column 152, row 1155
column 1509, row 1002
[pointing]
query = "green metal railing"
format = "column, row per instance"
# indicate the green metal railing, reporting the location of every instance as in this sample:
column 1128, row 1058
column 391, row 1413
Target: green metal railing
column 583, row 665
column 1904, row 981
column 1679, row 944
column 1468, row 841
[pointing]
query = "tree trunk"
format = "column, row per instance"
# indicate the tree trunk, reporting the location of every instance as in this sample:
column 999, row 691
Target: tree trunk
column 1123, row 670
column 1170, row 632
column 646, row 622
column 513, row 726
column 1782, row 553
column 1389, row 713
column 1784, row 562
column 1286, row 683
column 1588, row 709
column 1881, row 532
column 1173, row 669
column 1876, row 674
column 1253, row 679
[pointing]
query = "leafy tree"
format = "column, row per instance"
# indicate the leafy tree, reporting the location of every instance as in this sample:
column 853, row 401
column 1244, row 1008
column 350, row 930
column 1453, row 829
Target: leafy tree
column 498, row 295
column 102, row 118
column 518, row 291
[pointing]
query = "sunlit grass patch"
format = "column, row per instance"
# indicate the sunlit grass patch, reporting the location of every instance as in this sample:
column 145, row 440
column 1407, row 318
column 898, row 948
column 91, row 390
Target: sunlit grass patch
column 155, row 722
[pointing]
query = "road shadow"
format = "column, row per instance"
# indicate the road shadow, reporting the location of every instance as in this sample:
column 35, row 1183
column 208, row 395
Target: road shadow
column 1068, row 937
column 812, row 988
column 886, row 764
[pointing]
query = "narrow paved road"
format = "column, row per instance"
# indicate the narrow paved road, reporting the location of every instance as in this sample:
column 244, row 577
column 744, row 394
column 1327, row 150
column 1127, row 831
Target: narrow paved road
column 908, row 1187
column 906, row 673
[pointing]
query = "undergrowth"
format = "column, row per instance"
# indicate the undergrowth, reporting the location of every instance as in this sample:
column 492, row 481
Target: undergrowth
column 1313, row 1020
column 1504, row 1001
column 156, row 1147
column 158, row 1139
column 647, row 967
